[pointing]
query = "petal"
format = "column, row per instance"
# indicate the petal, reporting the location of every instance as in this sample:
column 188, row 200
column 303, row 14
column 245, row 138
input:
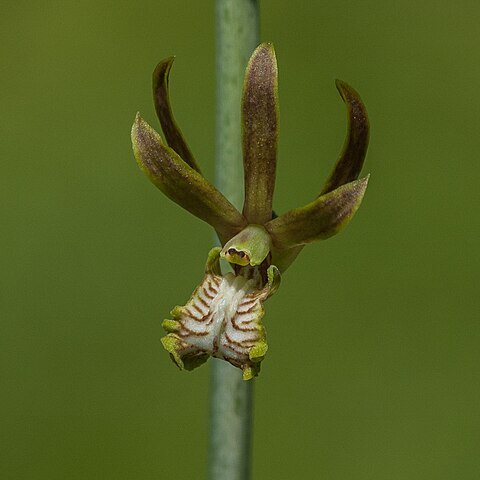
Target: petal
column 161, row 98
column 183, row 184
column 260, row 132
column 320, row 219
column 273, row 281
column 351, row 159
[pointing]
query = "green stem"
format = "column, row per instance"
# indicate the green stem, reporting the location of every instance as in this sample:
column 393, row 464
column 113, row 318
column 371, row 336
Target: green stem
column 237, row 33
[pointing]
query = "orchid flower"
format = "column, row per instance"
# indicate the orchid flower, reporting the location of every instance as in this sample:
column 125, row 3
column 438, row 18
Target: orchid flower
column 223, row 317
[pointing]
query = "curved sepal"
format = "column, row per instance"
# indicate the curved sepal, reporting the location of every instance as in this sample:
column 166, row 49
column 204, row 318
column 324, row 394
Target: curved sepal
column 161, row 99
column 260, row 132
column 320, row 219
column 183, row 184
column 250, row 247
column 351, row 159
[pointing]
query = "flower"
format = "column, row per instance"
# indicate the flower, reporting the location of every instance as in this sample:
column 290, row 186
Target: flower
column 223, row 316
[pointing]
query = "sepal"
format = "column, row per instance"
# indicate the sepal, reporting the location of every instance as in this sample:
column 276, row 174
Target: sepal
column 260, row 132
column 183, row 184
column 161, row 99
column 320, row 219
column 351, row 159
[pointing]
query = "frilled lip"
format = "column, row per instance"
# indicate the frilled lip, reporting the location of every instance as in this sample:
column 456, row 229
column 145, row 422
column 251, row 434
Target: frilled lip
column 171, row 166
column 223, row 319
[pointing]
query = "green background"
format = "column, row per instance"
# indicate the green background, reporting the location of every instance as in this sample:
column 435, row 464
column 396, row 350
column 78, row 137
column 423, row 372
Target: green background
column 373, row 367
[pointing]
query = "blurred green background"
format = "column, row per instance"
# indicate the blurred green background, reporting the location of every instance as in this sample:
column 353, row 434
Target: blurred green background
column 93, row 257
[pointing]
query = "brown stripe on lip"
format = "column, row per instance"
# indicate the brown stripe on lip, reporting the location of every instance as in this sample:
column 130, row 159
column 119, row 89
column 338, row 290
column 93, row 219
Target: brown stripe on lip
column 189, row 315
column 236, row 326
column 248, row 310
column 207, row 294
column 191, row 333
column 198, row 309
column 211, row 289
column 240, row 344
column 203, row 302
column 233, row 349
column 244, row 303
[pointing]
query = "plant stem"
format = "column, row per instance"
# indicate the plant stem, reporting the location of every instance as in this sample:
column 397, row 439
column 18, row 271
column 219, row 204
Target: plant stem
column 237, row 33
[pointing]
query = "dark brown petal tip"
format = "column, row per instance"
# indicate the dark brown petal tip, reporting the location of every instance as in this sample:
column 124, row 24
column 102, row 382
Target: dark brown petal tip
column 161, row 99
column 351, row 159
column 183, row 184
column 260, row 132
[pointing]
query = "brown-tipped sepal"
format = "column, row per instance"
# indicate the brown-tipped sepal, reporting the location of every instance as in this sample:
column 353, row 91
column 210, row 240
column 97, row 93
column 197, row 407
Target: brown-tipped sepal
column 222, row 319
column 260, row 132
column 161, row 99
column 183, row 184
column 320, row 219
column 351, row 159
